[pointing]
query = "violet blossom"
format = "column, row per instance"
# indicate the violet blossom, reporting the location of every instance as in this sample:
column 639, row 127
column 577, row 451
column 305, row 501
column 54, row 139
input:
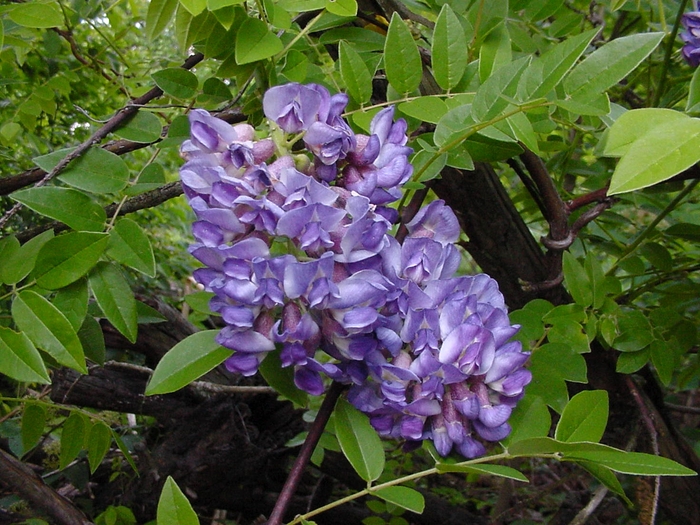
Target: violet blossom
column 299, row 254
column 691, row 38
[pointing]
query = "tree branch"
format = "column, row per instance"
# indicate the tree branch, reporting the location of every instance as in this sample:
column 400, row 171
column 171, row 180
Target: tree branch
column 113, row 123
column 317, row 427
column 29, row 486
column 148, row 199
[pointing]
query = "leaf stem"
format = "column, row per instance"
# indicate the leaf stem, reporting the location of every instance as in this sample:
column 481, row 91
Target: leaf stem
column 667, row 55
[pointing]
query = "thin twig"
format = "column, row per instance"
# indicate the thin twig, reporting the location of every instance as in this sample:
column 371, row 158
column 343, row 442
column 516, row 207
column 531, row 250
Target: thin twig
column 588, row 510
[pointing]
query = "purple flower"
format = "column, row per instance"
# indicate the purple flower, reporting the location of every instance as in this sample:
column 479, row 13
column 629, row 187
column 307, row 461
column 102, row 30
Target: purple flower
column 302, row 261
column 691, row 38
column 293, row 107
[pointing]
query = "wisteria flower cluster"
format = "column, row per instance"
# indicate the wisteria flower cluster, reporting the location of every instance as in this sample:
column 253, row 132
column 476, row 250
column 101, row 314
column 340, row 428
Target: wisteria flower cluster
column 297, row 247
column 691, row 38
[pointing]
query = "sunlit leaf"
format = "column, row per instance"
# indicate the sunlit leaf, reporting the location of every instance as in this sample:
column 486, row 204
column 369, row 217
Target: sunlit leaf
column 404, row 497
column 115, row 298
column 69, row 206
column 173, row 506
column 129, row 245
column 99, row 441
column 66, row 258
column 187, row 361
column 48, row 329
column 359, row 441
column 19, row 359
column 402, row 62
column 255, row 41
column 584, row 418
column 449, row 43
column 176, row 82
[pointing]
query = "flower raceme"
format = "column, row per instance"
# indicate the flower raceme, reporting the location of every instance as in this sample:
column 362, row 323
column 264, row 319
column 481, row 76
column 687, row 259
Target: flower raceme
column 691, row 38
column 299, row 254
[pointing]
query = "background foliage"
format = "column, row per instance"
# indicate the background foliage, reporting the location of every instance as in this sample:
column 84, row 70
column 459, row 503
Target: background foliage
column 564, row 135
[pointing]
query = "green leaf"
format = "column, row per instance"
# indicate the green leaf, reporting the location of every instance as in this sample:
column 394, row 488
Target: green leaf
column 501, row 471
column 404, row 497
column 37, row 15
column 199, row 301
column 354, row 73
column 530, row 419
column 73, row 302
column 684, row 230
column 571, row 334
column 115, row 298
column 159, row 14
column 597, row 278
column 634, row 124
column 71, row 207
column 545, row 445
column 173, row 506
column 188, row 28
column 148, row 315
column 489, row 101
column 598, row 106
column 176, row 82
column 630, row 362
column 495, row 52
column 552, row 365
column 541, row 9
column 33, row 421
column 520, row 128
column 48, row 329
column 635, row 332
column 635, row 463
column 449, row 43
column 427, row 109
column 66, row 258
column 584, row 418
column 296, row 66
column 545, row 73
column 214, row 5
column 692, row 105
column 359, row 441
column 658, row 256
column 194, row 6
column 342, row 7
column 143, row 127
column 432, row 170
column 362, row 40
column 125, row 451
column 606, row 477
column 402, row 63
column 72, row 438
column 282, row 379
column 657, row 156
column 454, row 123
column 187, row 361
column 18, row 262
column 254, row 41
column 97, row 171
column 19, row 359
column 93, row 340
column 577, row 281
column 609, row 64
column 129, row 245
column 664, row 358
column 98, row 444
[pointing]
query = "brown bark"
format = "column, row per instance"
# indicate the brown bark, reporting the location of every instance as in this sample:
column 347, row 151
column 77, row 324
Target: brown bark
column 29, row 486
